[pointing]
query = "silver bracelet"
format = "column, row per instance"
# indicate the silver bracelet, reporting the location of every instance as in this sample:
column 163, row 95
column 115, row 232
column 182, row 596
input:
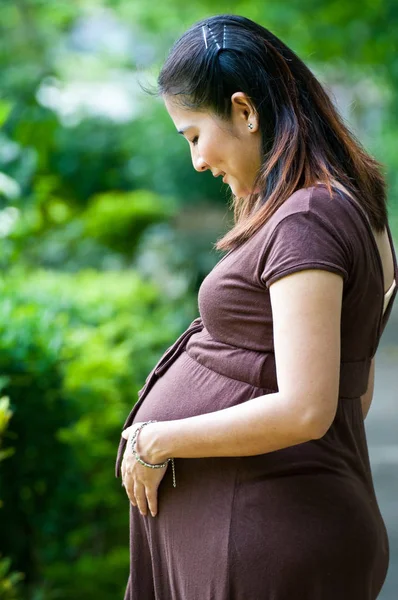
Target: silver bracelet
column 139, row 459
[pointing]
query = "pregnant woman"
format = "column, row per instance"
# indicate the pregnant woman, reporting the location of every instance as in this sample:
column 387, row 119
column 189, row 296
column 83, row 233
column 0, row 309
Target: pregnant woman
column 245, row 458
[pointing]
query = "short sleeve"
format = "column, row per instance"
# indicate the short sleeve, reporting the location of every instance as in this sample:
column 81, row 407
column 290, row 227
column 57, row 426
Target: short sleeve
column 305, row 240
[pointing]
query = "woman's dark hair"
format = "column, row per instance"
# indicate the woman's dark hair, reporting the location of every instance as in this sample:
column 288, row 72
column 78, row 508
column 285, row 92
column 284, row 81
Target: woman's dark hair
column 304, row 139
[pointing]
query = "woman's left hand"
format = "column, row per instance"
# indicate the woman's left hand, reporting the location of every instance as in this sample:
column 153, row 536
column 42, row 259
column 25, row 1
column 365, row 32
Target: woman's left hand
column 141, row 483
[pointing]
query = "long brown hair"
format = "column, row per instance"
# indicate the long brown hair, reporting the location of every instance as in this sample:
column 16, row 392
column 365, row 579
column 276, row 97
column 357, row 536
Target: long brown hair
column 304, row 139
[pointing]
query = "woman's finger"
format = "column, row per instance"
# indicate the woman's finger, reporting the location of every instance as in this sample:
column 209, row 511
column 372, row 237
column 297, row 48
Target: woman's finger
column 140, row 496
column 132, row 499
column 130, row 494
column 129, row 487
column 152, row 500
column 123, row 474
column 126, row 483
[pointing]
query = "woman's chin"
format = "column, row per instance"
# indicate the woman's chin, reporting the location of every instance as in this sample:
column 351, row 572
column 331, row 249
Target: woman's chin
column 239, row 191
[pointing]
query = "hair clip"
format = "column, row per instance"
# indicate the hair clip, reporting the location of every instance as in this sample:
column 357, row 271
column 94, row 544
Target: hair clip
column 204, row 35
column 214, row 37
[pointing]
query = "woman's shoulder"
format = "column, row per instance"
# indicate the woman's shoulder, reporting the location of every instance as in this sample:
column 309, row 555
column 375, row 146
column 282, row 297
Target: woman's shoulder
column 312, row 229
column 316, row 200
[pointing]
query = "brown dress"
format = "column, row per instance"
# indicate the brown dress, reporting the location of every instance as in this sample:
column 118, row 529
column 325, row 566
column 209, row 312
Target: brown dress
column 300, row 523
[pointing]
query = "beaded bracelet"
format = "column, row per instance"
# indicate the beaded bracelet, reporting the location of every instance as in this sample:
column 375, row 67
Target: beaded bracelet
column 139, row 459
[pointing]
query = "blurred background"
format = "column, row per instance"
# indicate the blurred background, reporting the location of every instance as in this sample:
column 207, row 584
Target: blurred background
column 106, row 233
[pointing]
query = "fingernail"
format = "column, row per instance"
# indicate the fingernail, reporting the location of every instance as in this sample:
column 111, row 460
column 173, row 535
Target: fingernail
column 153, row 514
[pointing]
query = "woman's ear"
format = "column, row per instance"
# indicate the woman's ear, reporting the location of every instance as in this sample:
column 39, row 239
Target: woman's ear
column 244, row 111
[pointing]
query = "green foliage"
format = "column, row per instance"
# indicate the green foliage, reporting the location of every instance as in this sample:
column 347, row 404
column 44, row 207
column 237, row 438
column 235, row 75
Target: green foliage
column 5, row 110
column 74, row 350
column 117, row 219
column 62, row 161
column 9, row 580
column 5, row 414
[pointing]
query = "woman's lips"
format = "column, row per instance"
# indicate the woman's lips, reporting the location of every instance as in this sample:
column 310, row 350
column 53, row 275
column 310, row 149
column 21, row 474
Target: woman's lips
column 224, row 179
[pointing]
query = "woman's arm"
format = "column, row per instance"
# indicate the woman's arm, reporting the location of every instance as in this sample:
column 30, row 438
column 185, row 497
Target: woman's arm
column 366, row 399
column 306, row 307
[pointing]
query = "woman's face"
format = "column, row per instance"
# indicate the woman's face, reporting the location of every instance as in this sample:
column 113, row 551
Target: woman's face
column 227, row 149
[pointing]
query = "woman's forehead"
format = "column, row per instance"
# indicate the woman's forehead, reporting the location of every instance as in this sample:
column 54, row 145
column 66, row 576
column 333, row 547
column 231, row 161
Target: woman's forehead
column 185, row 118
column 176, row 106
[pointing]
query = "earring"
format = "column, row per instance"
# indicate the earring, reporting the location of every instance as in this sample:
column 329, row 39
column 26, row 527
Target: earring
column 250, row 126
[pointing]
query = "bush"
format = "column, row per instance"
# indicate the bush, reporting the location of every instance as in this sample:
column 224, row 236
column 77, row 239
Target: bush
column 9, row 580
column 117, row 219
column 74, row 350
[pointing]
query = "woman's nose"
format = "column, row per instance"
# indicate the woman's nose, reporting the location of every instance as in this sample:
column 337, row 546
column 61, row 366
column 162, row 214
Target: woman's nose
column 199, row 164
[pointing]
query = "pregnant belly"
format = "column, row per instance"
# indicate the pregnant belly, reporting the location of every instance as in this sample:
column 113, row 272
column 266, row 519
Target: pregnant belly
column 188, row 388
